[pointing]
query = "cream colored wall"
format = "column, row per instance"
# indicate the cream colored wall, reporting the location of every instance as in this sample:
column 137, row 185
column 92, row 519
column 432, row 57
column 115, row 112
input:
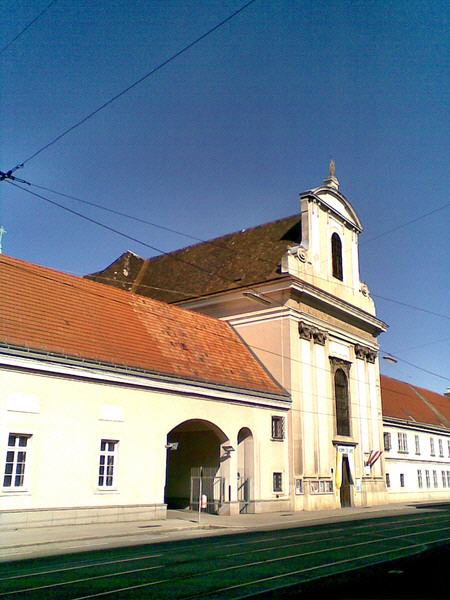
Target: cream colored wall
column 269, row 339
column 67, row 417
column 313, row 429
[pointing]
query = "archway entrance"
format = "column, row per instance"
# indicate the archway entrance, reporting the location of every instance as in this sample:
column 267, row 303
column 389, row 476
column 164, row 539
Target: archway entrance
column 245, row 469
column 193, row 450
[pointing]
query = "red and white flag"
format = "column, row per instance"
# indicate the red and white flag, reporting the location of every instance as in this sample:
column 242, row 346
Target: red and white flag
column 373, row 457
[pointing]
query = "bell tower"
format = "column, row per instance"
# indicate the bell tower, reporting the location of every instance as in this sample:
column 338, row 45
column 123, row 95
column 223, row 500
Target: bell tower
column 328, row 256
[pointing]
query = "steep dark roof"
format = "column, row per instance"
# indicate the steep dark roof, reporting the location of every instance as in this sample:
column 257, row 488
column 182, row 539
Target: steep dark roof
column 50, row 312
column 232, row 261
column 407, row 402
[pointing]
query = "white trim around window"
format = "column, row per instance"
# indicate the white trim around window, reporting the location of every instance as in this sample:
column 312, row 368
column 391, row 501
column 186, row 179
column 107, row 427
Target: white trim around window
column 16, row 465
column 107, row 467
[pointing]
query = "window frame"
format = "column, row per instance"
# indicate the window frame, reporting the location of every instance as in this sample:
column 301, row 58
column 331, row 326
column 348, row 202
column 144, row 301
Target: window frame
column 277, row 482
column 402, row 439
column 278, row 423
column 337, row 268
column 341, row 412
column 107, row 468
column 17, row 474
column 417, row 443
column 419, row 479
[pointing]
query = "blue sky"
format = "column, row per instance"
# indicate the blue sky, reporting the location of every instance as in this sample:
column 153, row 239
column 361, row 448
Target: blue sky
column 227, row 136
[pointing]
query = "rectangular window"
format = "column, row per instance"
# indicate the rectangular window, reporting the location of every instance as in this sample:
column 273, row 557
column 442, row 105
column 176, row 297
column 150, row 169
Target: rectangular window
column 448, row 447
column 417, row 443
column 16, row 456
column 402, row 480
column 435, row 479
column 444, row 479
column 448, row 479
column 107, row 466
column 388, row 480
column 387, row 441
column 432, row 452
column 441, row 448
column 402, row 442
column 277, row 482
column 278, row 428
column 427, row 478
column 298, row 487
column 419, row 478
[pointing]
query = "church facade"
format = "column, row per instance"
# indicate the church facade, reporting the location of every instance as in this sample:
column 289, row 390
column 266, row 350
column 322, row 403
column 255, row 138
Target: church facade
column 241, row 374
column 292, row 290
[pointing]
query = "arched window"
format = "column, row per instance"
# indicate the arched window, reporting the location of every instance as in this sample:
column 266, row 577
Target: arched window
column 342, row 404
column 336, row 256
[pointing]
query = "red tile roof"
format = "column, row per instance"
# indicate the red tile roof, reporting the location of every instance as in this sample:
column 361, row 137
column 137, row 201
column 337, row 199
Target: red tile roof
column 401, row 400
column 52, row 312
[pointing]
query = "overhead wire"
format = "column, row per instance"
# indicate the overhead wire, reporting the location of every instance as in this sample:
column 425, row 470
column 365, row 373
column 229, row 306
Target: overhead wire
column 27, row 26
column 134, row 84
column 174, row 257
column 170, row 59
column 122, row 234
column 104, row 295
column 291, row 389
column 213, row 242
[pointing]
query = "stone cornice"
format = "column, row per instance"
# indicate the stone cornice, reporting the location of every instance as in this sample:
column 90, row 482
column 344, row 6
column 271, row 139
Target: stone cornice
column 300, row 287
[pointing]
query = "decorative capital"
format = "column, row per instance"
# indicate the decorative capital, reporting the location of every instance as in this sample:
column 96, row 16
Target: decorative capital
column 320, row 337
column 305, row 331
column 371, row 356
column 360, row 351
column 364, row 353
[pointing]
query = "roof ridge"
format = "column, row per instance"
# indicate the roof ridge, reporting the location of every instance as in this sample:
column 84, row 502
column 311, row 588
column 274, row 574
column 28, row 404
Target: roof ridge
column 224, row 236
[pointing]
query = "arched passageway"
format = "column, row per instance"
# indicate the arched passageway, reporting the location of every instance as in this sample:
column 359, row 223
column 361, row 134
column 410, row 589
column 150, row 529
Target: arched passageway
column 193, row 445
column 245, row 468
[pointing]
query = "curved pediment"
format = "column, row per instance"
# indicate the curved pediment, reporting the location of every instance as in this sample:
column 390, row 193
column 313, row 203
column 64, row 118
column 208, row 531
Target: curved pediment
column 337, row 202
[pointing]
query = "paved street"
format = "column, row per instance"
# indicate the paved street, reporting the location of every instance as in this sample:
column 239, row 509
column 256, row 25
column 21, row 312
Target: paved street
column 241, row 564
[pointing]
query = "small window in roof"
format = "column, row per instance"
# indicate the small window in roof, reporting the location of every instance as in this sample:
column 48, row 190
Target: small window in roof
column 336, row 256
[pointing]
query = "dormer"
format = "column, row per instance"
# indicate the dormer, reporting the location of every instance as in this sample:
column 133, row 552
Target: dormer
column 328, row 256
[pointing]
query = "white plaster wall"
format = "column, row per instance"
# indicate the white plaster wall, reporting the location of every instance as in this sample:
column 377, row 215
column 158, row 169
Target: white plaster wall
column 69, row 418
column 407, row 463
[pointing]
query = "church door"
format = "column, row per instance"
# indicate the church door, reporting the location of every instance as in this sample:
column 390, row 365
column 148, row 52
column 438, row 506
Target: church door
column 345, row 490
